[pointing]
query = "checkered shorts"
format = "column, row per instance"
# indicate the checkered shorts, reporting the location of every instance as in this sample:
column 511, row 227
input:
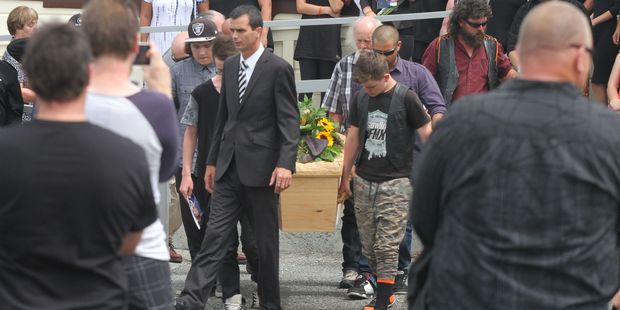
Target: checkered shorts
column 150, row 286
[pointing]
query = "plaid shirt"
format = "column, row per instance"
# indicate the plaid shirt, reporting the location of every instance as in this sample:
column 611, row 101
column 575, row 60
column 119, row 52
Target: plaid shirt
column 415, row 76
column 338, row 94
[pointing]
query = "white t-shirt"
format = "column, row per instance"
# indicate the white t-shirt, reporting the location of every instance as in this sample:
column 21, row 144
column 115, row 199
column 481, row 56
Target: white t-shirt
column 148, row 119
column 170, row 13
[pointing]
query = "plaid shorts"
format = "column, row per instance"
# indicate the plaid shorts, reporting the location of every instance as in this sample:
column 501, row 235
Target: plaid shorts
column 150, row 286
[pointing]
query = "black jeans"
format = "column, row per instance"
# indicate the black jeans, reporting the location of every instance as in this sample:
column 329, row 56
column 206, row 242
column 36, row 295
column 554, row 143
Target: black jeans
column 194, row 235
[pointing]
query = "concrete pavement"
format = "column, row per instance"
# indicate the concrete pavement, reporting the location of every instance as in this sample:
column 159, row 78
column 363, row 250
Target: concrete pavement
column 310, row 269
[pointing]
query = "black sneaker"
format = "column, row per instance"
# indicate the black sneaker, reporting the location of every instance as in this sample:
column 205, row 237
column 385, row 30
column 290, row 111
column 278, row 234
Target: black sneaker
column 255, row 301
column 400, row 283
column 371, row 304
column 348, row 279
column 363, row 287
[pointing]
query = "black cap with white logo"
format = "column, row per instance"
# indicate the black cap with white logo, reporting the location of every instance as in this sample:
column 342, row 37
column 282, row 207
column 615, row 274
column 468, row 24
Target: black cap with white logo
column 76, row 20
column 201, row 30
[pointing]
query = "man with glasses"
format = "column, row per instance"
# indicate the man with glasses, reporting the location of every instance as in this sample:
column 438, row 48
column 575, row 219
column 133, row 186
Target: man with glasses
column 517, row 194
column 385, row 41
column 384, row 121
column 467, row 61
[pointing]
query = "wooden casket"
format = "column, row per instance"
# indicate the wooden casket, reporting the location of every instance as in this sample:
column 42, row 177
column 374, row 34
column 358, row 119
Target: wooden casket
column 310, row 204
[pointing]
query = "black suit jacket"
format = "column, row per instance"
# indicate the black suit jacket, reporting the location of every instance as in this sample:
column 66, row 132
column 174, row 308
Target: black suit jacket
column 263, row 132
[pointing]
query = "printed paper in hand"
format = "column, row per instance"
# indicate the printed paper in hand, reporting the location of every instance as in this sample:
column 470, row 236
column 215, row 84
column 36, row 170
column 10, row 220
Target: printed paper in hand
column 197, row 211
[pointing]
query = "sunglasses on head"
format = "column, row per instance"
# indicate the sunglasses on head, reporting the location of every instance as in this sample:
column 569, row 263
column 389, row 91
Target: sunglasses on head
column 476, row 25
column 385, row 53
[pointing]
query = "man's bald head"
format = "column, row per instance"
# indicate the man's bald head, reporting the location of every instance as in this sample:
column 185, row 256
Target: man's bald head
column 553, row 26
column 362, row 31
column 385, row 34
column 554, row 44
column 216, row 17
column 226, row 27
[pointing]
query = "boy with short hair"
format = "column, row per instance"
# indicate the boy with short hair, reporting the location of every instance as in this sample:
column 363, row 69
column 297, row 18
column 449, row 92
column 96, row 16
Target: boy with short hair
column 380, row 143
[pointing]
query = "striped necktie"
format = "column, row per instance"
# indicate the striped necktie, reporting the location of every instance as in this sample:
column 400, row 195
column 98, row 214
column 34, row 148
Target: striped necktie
column 242, row 80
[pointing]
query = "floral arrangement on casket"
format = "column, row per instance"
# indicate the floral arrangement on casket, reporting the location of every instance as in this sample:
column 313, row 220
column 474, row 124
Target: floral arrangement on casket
column 319, row 141
column 311, row 203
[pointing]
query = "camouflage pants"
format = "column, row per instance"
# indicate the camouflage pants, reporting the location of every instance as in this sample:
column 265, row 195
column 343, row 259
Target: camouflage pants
column 381, row 211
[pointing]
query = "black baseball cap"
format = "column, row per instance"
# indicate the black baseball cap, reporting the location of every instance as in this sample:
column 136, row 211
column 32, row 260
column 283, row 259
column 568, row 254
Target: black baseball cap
column 76, row 20
column 201, row 30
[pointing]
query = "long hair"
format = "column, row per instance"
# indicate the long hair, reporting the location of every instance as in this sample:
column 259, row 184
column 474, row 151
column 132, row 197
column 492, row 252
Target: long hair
column 465, row 9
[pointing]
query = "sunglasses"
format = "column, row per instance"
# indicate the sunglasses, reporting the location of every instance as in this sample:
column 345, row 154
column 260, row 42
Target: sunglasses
column 476, row 25
column 385, row 53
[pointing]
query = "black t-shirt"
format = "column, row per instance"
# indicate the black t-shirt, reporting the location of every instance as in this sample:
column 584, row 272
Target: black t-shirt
column 208, row 99
column 426, row 30
column 70, row 193
column 503, row 13
column 374, row 164
column 227, row 6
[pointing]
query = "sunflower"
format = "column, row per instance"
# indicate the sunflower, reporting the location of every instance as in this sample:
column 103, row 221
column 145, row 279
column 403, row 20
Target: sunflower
column 327, row 125
column 325, row 135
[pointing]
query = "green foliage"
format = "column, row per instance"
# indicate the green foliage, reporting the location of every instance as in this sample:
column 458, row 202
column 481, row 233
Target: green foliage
column 315, row 124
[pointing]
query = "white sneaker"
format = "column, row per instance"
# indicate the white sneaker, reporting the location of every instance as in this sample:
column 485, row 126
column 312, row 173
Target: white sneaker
column 255, row 300
column 235, row 302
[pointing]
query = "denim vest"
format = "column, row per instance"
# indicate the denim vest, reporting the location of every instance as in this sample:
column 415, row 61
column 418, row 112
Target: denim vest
column 399, row 136
column 447, row 73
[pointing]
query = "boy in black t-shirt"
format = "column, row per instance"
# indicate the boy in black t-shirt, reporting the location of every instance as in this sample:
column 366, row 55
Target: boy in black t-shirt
column 74, row 195
column 380, row 142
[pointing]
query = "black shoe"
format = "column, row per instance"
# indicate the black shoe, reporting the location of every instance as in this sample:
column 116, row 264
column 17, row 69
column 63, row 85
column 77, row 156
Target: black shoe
column 180, row 304
column 348, row 279
column 363, row 287
column 373, row 302
column 400, row 283
column 255, row 301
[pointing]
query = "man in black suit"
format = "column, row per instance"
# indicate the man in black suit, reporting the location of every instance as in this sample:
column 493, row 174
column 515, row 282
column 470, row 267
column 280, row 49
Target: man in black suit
column 251, row 160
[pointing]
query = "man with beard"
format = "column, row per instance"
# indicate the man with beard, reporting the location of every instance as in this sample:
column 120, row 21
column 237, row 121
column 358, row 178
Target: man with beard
column 467, row 61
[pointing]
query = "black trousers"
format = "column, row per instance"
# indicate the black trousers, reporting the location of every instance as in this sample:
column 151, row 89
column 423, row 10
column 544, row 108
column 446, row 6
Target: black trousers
column 194, row 235
column 407, row 43
column 228, row 275
column 229, row 200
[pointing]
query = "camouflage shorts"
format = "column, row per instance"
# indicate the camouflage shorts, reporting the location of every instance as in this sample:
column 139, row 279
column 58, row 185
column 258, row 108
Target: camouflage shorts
column 381, row 211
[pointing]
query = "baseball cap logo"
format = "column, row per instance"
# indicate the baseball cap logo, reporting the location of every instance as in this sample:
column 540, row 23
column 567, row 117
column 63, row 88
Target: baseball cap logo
column 198, row 28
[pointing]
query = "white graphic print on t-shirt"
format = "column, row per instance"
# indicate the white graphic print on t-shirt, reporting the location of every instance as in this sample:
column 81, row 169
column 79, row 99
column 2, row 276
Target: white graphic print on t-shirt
column 375, row 135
